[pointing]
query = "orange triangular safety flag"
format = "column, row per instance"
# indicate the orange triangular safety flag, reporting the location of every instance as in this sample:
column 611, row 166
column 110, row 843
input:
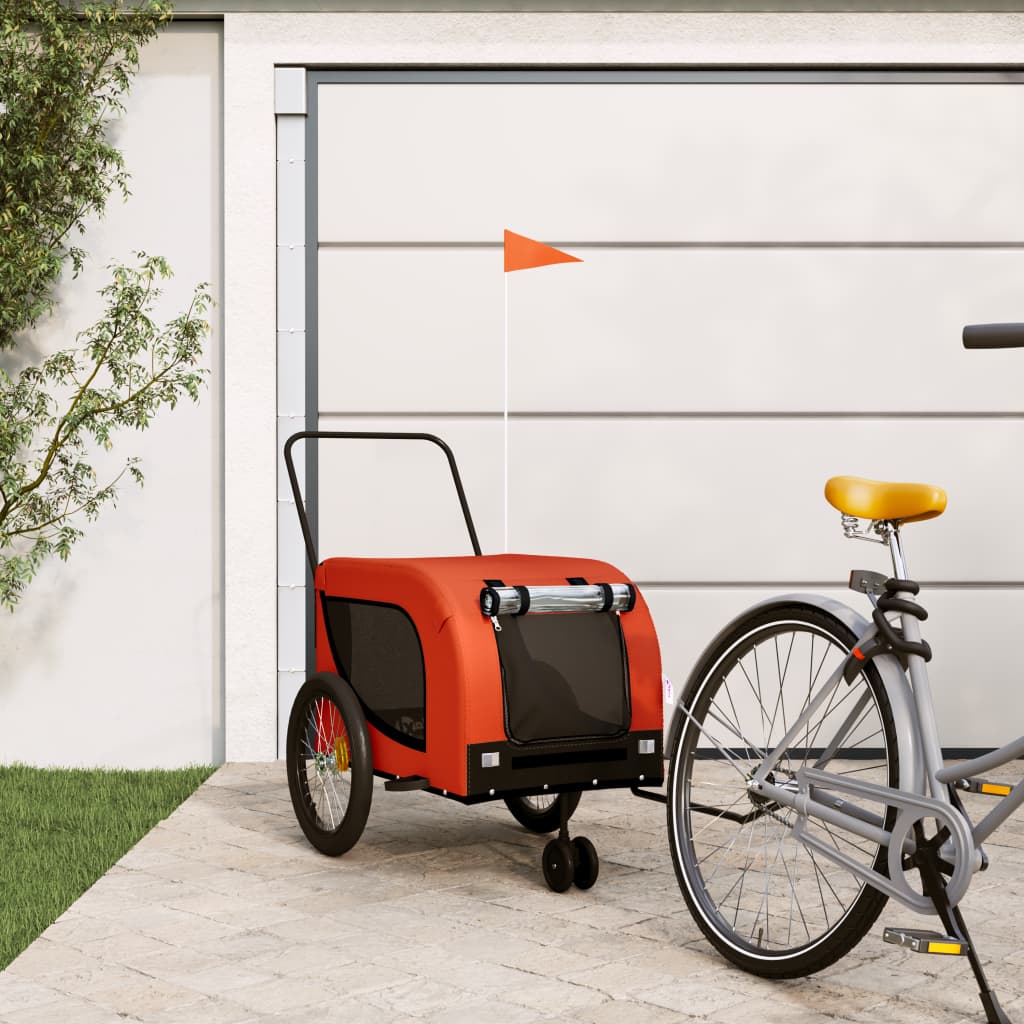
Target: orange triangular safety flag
column 522, row 253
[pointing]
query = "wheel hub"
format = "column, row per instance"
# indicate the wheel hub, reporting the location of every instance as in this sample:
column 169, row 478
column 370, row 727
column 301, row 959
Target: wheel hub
column 761, row 799
column 333, row 761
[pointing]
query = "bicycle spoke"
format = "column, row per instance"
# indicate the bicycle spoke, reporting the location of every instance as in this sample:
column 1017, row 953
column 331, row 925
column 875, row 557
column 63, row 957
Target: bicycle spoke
column 731, row 761
column 718, row 817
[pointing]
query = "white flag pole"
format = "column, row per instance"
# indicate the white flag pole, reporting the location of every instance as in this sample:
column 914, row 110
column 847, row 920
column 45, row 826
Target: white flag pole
column 505, row 414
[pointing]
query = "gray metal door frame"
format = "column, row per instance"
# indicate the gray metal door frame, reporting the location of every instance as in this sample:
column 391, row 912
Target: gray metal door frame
column 297, row 115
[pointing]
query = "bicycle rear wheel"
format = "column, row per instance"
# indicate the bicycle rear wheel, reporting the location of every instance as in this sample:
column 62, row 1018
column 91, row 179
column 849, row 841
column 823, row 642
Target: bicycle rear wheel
column 765, row 901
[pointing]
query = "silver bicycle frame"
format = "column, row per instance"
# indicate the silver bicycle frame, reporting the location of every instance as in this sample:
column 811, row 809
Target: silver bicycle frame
column 924, row 781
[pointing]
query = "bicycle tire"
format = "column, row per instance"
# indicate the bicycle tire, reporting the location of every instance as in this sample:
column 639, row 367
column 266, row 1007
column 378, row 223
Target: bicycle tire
column 742, row 687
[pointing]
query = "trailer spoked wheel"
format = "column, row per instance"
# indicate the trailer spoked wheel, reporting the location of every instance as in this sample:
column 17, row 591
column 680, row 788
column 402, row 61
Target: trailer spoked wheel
column 542, row 813
column 330, row 770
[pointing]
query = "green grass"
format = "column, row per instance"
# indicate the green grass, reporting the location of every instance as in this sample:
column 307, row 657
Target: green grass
column 62, row 829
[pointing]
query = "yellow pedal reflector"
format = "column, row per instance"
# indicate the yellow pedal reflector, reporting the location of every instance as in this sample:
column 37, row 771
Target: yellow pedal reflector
column 994, row 789
column 341, row 758
column 920, row 941
column 948, row 948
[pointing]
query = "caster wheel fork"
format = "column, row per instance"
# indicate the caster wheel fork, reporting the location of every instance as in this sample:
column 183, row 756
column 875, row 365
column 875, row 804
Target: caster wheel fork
column 566, row 861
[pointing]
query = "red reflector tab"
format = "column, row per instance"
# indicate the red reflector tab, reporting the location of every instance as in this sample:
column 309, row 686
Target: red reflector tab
column 857, row 654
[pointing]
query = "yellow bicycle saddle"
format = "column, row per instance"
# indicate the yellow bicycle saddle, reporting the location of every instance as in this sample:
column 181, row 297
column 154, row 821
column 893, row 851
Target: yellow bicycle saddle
column 872, row 499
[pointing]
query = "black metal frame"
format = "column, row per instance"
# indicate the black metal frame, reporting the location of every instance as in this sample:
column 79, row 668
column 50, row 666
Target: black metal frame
column 363, row 435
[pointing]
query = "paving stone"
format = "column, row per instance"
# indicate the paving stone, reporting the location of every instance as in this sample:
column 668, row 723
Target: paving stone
column 169, row 925
column 618, row 1011
column 224, row 914
column 78, row 1011
column 81, row 930
column 21, row 993
column 770, row 1011
column 602, row 917
column 283, row 995
column 302, row 960
column 204, row 1011
column 127, row 949
column 491, row 1010
column 173, row 963
column 620, row 979
column 222, row 979
column 551, row 996
column 339, row 1011
column 693, row 997
column 881, row 977
column 552, row 961
column 243, row 946
column 234, row 910
column 487, row 944
column 422, row 998
column 45, row 956
column 128, row 993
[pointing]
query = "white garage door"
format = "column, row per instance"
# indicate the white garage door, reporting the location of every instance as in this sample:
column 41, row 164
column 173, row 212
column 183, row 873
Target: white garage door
column 776, row 270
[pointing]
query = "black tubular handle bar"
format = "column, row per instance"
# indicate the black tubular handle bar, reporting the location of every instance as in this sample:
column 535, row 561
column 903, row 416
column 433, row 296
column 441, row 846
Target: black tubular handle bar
column 307, row 536
column 994, row 336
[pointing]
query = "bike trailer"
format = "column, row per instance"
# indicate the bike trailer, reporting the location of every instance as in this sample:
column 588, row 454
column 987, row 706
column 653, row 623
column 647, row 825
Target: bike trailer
column 527, row 678
column 495, row 675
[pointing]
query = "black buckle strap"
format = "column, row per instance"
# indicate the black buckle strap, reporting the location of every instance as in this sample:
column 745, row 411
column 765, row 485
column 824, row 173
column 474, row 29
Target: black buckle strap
column 890, row 639
column 889, row 602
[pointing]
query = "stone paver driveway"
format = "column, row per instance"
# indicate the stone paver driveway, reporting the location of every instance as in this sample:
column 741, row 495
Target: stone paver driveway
column 223, row 914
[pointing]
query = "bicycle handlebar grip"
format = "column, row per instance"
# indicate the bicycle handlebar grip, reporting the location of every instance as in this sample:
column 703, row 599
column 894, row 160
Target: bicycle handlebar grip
column 994, row 336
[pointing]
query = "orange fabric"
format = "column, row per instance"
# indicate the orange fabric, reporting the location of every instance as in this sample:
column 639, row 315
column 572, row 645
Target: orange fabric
column 522, row 253
column 463, row 676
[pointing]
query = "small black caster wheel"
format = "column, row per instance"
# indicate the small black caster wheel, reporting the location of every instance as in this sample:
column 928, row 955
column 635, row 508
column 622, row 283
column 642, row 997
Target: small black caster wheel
column 587, row 865
column 558, row 864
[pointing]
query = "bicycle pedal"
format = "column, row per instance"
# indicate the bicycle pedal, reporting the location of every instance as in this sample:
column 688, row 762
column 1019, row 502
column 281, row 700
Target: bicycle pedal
column 920, row 941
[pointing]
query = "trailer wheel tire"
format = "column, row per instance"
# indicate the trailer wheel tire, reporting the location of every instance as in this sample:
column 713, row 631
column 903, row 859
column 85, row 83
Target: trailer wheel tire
column 558, row 864
column 587, row 863
column 330, row 768
column 542, row 814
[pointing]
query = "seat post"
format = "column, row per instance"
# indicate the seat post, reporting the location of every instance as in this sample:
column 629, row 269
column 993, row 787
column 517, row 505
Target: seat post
column 899, row 563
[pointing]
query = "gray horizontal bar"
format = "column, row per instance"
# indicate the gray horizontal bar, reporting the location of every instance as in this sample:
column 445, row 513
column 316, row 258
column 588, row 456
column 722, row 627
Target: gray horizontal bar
column 827, row 414
column 794, row 586
column 215, row 8
column 355, row 244
column 723, row 75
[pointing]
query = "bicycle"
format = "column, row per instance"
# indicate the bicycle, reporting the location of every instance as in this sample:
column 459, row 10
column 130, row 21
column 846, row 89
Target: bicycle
column 806, row 783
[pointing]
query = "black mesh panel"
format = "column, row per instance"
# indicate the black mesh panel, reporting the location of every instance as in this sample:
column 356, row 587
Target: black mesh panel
column 376, row 649
column 564, row 676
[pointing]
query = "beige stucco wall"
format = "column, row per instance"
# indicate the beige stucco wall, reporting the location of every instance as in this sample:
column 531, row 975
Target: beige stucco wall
column 254, row 44
column 114, row 657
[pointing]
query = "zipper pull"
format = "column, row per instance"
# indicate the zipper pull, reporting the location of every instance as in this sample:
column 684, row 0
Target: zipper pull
column 495, row 623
